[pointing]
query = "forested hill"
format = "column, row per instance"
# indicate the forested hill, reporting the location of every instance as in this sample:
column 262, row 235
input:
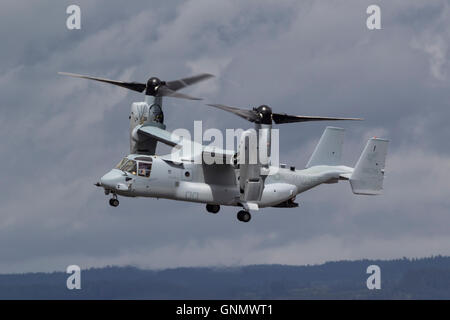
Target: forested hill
column 427, row 278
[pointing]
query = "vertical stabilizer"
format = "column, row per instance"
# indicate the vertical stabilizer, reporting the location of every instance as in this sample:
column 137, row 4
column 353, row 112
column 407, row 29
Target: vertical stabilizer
column 329, row 149
column 367, row 177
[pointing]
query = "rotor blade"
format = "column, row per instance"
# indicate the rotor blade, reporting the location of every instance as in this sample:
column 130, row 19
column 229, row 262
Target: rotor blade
column 247, row 114
column 176, row 85
column 163, row 91
column 285, row 118
column 135, row 86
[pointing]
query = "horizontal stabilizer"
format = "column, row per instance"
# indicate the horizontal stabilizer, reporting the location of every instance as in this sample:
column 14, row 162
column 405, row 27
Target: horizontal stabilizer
column 329, row 149
column 367, row 177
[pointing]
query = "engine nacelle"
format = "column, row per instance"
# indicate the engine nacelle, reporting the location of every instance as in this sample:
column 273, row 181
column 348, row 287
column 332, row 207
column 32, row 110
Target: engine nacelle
column 253, row 160
column 143, row 113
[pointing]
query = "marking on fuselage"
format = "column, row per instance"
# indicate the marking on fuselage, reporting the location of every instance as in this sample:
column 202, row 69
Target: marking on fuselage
column 191, row 195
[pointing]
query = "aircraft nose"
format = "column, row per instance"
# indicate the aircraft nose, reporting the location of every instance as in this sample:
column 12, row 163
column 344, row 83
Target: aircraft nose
column 111, row 179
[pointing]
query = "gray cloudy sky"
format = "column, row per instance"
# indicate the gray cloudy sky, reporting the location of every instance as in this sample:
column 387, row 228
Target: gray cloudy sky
column 301, row 57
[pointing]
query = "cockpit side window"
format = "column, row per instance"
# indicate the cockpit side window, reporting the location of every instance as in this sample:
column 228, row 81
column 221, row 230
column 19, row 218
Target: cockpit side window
column 144, row 169
column 129, row 166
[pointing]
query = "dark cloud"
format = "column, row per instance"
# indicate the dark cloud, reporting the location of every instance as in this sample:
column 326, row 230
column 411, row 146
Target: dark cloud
column 312, row 58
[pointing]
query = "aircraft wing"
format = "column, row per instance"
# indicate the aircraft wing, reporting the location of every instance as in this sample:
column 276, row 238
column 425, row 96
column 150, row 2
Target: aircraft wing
column 195, row 152
column 160, row 135
column 186, row 149
column 211, row 154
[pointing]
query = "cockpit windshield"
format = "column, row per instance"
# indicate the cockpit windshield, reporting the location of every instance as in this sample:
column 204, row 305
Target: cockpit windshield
column 130, row 166
column 121, row 163
column 127, row 165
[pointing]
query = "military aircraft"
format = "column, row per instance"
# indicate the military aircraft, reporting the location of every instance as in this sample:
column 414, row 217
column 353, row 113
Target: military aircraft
column 236, row 180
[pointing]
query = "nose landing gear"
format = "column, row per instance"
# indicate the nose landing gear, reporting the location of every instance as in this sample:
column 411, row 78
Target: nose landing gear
column 114, row 202
column 244, row 216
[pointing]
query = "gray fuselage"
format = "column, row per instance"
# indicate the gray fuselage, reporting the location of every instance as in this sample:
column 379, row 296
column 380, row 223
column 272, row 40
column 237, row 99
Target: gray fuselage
column 156, row 177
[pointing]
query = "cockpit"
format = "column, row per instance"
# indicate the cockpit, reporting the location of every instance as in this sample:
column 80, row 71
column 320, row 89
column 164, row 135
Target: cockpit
column 141, row 166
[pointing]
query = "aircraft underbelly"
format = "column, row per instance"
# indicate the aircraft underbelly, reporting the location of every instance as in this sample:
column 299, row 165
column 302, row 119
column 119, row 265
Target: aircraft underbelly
column 273, row 193
column 206, row 193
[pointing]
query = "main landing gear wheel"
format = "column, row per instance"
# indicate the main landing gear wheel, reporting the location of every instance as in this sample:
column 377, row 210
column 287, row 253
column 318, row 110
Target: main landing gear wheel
column 113, row 202
column 244, row 216
column 213, row 208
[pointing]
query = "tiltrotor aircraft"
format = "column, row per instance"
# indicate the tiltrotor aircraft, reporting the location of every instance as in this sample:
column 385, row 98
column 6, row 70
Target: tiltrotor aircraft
column 236, row 181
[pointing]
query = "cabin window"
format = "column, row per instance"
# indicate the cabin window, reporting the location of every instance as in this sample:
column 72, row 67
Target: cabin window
column 144, row 169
